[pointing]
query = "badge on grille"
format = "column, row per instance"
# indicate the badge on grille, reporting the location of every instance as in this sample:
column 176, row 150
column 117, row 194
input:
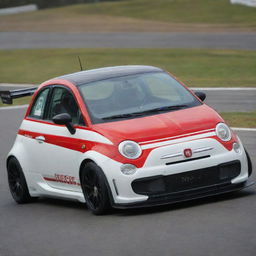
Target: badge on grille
column 187, row 152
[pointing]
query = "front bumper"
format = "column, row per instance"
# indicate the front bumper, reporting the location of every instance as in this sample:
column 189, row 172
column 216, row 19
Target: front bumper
column 124, row 195
column 156, row 200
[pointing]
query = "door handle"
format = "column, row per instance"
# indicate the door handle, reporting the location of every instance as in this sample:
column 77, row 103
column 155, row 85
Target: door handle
column 40, row 139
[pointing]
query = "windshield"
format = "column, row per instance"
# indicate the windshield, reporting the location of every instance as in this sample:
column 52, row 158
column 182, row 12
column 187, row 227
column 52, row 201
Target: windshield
column 135, row 96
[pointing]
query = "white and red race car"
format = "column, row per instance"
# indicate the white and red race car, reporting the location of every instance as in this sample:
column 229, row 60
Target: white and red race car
column 125, row 136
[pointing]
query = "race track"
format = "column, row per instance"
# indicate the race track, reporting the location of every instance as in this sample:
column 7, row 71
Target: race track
column 216, row 226
column 28, row 40
column 223, row 225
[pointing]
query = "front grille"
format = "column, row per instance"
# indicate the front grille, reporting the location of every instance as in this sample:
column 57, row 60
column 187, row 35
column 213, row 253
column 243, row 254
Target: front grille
column 222, row 173
column 188, row 160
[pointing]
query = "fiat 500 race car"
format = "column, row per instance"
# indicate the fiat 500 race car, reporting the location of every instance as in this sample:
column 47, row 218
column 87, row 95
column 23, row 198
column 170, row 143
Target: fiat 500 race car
column 125, row 136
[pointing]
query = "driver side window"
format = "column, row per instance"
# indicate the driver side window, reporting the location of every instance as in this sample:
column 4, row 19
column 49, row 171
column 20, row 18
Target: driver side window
column 62, row 101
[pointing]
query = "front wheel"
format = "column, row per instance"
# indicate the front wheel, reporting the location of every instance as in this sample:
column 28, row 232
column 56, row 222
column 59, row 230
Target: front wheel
column 94, row 187
column 17, row 182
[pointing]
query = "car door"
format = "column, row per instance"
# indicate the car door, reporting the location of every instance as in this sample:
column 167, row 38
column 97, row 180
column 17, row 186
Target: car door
column 53, row 149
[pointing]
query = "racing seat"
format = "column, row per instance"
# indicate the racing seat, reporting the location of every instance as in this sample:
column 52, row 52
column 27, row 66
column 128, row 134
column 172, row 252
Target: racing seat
column 67, row 105
column 128, row 96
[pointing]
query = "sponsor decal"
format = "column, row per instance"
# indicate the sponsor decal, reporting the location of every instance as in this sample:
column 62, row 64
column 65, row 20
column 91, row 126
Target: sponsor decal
column 63, row 179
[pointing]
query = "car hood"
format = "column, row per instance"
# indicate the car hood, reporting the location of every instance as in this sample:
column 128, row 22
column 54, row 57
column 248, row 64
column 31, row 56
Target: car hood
column 160, row 126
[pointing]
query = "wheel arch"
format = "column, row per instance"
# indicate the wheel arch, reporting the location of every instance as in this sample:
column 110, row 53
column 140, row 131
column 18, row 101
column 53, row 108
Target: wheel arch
column 83, row 164
column 21, row 163
column 8, row 159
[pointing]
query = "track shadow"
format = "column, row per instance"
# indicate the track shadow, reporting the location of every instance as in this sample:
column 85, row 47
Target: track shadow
column 185, row 204
column 60, row 203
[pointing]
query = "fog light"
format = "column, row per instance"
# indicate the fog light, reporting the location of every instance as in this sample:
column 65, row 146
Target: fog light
column 128, row 169
column 237, row 147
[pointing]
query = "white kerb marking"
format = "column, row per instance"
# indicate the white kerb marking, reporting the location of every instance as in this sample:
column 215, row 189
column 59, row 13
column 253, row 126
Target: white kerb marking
column 224, row 88
column 244, row 129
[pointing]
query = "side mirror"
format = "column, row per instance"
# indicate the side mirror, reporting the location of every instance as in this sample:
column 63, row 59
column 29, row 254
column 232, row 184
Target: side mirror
column 200, row 95
column 64, row 119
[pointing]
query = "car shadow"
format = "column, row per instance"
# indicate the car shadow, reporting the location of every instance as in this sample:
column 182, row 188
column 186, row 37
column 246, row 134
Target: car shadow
column 60, row 203
column 185, row 204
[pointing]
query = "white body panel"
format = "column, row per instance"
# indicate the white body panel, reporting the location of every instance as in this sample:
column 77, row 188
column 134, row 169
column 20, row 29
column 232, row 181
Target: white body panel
column 41, row 160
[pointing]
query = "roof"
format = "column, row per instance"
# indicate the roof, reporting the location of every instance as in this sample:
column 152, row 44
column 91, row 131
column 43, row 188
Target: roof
column 87, row 76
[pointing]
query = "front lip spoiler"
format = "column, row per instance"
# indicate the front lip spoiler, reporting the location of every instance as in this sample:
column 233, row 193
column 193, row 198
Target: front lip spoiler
column 187, row 195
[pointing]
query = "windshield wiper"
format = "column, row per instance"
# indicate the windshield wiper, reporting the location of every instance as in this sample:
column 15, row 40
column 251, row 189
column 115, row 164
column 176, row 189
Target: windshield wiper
column 122, row 116
column 160, row 109
column 166, row 108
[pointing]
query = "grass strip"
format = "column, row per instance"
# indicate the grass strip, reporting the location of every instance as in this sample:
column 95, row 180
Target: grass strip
column 217, row 12
column 182, row 11
column 195, row 67
column 240, row 119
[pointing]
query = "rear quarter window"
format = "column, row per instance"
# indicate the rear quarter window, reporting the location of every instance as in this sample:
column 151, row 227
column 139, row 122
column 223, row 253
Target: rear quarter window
column 38, row 107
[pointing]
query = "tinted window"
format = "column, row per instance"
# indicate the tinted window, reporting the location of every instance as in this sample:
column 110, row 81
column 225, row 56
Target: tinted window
column 38, row 107
column 62, row 101
column 134, row 96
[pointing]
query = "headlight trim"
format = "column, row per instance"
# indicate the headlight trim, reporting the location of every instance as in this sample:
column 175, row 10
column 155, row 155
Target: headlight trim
column 223, row 132
column 133, row 146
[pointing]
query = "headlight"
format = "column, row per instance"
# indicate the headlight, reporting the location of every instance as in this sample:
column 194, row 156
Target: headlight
column 223, row 132
column 129, row 149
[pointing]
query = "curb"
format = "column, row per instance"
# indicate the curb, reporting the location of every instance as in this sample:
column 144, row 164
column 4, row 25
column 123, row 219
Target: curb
column 244, row 129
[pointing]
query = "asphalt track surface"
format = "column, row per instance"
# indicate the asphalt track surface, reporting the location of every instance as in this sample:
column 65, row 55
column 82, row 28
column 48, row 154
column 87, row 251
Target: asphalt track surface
column 231, row 101
column 28, row 40
column 223, row 225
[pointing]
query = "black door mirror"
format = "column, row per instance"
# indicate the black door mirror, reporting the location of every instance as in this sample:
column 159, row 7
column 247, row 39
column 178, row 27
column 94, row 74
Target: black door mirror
column 64, row 119
column 200, row 95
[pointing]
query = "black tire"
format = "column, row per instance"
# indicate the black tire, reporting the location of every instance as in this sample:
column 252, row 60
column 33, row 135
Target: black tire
column 17, row 182
column 249, row 163
column 95, row 189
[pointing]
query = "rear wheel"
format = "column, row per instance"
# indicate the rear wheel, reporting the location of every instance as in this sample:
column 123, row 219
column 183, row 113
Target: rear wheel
column 17, row 182
column 94, row 187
